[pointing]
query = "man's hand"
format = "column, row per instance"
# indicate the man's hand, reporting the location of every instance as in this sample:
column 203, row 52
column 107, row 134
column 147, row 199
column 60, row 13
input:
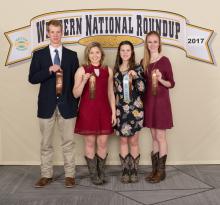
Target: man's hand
column 54, row 68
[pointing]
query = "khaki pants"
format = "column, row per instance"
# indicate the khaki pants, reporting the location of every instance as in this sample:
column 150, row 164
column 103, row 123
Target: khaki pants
column 68, row 145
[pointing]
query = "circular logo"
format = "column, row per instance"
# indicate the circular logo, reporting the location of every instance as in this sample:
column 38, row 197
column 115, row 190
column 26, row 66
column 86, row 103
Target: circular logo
column 21, row 44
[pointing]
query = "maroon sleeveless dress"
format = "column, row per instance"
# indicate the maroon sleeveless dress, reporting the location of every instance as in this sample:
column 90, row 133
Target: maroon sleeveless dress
column 94, row 115
column 157, row 109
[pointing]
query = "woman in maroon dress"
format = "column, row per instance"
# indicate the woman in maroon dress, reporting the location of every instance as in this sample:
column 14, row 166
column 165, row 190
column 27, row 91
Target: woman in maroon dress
column 157, row 106
column 94, row 84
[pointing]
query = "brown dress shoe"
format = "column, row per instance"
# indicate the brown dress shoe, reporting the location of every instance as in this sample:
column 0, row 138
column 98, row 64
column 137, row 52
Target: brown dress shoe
column 69, row 182
column 42, row 182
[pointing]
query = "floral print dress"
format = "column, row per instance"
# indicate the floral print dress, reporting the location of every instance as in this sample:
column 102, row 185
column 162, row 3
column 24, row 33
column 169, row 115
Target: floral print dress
column 129, row 114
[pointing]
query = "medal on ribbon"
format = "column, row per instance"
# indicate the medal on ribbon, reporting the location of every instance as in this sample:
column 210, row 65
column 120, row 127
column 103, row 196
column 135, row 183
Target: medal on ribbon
column 59, row 82
column 92, row 86
column 154, row 82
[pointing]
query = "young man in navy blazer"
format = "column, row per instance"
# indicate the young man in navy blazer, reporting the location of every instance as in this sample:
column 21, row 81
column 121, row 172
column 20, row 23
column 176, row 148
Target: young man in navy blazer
column 52, row 107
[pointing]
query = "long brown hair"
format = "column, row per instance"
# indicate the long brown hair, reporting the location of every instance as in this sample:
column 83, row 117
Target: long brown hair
column 88, row 49
column 147, row 56
column 118, row 61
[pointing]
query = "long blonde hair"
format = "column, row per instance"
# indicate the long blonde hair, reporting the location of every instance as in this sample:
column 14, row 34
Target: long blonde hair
column 146, row 60
column 87, row 50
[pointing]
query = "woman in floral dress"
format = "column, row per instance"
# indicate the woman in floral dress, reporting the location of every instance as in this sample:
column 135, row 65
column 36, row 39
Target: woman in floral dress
column 129, row 108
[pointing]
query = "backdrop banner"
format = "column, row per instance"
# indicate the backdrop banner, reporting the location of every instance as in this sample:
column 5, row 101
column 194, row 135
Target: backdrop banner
column 110, row 27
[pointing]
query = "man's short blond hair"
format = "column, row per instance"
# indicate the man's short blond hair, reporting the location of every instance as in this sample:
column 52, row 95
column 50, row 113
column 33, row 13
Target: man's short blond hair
column 56, row 23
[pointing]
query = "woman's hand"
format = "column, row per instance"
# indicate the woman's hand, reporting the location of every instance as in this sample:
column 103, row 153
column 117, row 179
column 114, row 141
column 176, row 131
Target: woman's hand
column 133, row 74
column 86, row 76
column 80, row 80
column 114, row 121
column 162, row 81
column 159, row 75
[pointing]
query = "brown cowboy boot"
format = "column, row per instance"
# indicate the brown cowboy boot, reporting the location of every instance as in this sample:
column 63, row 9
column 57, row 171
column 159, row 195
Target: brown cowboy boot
column 154, row 160
column 101, row 167
column 161, row 172
column 134, row 162
column 125, row 178
column 92, row 166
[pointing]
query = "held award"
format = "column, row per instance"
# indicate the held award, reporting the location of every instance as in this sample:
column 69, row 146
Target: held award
column 59, row 82
column 154, row 82
column 92, row 86
column 127, row 83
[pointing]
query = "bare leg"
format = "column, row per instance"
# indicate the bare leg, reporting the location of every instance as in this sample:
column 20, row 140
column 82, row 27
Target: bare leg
column 134, row 146
column 155, row 143
column 90, row 146
column 123, row 146
column 161, row 138
column 91, row 159
column 102, row 145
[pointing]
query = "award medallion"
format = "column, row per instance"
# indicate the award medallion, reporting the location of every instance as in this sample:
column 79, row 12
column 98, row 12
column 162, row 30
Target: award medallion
column 154, row 82
column 59, row 82
column 92, row 86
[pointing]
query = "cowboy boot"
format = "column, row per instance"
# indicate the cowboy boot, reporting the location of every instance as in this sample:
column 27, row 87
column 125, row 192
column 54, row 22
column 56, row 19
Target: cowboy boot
column 154, row 160
column 161, row 170
column 125, row 168
column 101, row 168
column 92, row 166
column 134, row 162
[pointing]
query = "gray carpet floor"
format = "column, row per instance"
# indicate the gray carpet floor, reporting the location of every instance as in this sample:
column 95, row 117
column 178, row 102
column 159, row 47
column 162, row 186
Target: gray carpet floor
column 184, row 185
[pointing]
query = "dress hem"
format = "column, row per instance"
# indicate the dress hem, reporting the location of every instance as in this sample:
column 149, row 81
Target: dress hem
column 162, row 128
column 93, row 133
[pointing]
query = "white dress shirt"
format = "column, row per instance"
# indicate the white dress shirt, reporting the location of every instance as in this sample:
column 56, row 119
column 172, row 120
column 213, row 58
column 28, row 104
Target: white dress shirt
column 53, row 53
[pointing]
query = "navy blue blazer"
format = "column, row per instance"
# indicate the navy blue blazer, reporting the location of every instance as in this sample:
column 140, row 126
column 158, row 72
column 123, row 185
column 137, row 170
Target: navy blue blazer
column 47, row 99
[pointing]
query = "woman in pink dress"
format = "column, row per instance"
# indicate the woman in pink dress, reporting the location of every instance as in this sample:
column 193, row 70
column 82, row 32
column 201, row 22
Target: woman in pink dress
column 96, row 116
column 157, row 106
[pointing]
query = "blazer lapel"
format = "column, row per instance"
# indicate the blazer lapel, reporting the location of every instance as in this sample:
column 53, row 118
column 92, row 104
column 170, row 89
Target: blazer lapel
column 63, row 60
column 48, row 56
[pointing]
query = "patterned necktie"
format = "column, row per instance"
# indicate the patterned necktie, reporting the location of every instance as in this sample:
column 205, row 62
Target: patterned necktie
column 56, row 58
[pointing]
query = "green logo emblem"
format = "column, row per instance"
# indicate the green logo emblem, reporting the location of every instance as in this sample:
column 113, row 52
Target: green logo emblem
column 21, row 44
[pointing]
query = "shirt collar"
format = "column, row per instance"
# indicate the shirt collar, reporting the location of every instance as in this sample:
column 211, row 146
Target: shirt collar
column 60, row 48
